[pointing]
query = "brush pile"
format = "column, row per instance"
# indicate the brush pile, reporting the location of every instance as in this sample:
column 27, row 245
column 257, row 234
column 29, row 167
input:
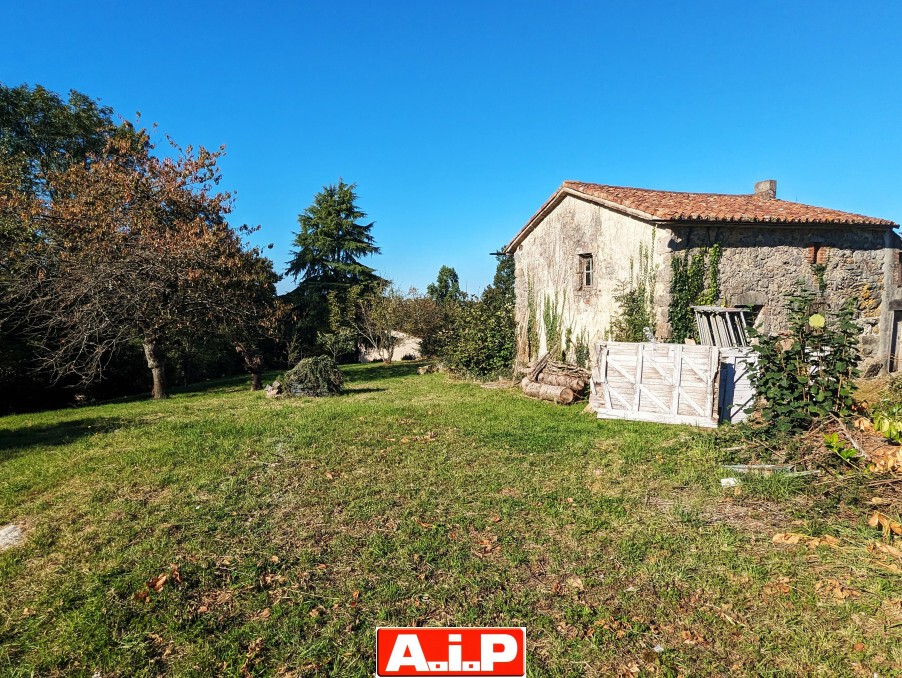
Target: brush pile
column 556, row 382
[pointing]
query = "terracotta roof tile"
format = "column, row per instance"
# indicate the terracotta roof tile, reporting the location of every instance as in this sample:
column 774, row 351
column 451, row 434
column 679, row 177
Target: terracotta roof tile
column 678, row 206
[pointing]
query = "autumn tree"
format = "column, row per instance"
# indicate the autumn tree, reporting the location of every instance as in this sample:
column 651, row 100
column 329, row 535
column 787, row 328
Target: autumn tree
column 136, row 248
column 40, row 132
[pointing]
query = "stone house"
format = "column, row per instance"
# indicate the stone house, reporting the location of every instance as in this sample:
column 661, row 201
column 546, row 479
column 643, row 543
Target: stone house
column 588, row 239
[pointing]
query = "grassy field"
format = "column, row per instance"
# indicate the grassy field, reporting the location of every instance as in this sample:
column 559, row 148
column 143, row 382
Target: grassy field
column 288, row 530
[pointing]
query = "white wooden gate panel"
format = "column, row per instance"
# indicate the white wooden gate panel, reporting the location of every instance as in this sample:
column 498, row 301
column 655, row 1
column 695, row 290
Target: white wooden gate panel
column 736, row 391
column 671, row 383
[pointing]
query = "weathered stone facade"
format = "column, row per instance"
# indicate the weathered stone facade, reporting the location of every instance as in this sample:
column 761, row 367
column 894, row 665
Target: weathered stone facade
column 760, row 263
column 548, row 272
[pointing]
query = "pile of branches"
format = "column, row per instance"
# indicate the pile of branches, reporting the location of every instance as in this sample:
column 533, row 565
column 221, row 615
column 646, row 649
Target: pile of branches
column 553, row 381
column 315, row 377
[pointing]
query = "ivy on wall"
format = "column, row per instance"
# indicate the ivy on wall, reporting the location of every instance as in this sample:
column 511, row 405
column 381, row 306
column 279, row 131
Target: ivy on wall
column 635, row 298
column 581, row 349
column 695, row 282
column 532, row 324
column 552, row 312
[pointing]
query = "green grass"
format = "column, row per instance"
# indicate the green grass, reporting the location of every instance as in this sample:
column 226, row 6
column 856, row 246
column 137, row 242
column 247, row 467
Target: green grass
column 299, row 526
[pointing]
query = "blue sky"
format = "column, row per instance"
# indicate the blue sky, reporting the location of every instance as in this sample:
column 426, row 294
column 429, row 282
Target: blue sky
column 459, row 119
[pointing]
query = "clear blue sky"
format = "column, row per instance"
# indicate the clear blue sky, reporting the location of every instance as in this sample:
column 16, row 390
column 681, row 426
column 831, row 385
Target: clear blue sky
column 459, row 119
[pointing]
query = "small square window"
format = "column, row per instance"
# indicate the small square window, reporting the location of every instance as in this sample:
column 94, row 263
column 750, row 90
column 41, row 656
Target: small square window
column 586, row 270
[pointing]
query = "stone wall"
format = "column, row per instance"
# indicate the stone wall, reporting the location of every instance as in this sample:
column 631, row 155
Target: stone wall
column 760, row 264
column 547, row 268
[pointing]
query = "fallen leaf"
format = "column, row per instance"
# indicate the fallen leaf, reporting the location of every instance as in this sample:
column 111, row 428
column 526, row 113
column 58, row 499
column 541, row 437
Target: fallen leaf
column 158, row 582
column 835, row 589
column 880, row 547
column 142, row 595
column 254, row 647
column 805, row 540
column 265, row 614
column 274, row 559
column 176, row 577
column 787, row 538
column 314, row 612
column 575, row 583
column 330, row 475
column 887, row 524
column 777, row 587
column 495, row 519
column 858, row 647
column 202, row 609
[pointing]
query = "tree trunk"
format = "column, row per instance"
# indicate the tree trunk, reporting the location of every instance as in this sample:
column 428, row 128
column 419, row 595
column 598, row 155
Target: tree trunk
column 256, row 381
column 157, row 368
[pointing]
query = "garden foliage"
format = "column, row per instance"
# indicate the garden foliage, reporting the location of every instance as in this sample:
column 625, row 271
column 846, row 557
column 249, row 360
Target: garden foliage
column 480, row 339
column 808, row 373
column 694, row 282
column 635, row 298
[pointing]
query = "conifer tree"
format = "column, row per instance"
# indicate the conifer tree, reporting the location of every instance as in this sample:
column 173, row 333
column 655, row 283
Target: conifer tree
column 332, row 241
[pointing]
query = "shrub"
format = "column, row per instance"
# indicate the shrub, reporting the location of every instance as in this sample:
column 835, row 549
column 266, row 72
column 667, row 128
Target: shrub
column 887, row 411
column 635, row 316
column 317, row 376
column 808, row 373
column 481, row 340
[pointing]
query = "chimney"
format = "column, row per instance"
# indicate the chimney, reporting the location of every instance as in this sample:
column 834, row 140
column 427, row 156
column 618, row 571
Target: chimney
column 766, row 189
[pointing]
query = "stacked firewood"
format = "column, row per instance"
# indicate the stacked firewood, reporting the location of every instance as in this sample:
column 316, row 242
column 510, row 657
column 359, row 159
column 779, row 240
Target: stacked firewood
column 557, row 382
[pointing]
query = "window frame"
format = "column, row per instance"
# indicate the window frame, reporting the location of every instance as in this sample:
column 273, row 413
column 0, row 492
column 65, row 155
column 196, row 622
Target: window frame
column 586, row 270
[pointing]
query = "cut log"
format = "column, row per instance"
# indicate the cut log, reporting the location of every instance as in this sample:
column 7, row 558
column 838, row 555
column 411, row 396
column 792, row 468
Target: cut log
column 555, row 394
column 574, row 383
column 537, row 368
column 563, row 368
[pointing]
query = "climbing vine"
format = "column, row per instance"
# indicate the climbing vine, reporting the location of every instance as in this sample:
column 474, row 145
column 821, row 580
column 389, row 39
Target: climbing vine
column 532, row 323
column 819, row 271
column 581, row 349
column 635, row 317
column 551, row 318
column 695, row 282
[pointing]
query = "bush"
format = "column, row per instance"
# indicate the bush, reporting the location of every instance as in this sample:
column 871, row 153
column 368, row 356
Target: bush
column 481, row 340
column 809, row 373
column 317, row 376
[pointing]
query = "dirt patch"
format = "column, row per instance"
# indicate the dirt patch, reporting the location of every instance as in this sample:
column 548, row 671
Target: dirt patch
column 759, row 517
column 751, row 516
